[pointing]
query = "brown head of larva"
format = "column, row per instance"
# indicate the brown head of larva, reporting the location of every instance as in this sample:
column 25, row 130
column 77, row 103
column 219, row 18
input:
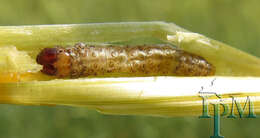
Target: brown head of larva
column 55, row 61
column 47, row 58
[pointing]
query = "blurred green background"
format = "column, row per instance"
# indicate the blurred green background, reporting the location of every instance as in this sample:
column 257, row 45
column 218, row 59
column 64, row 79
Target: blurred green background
column 235, row 22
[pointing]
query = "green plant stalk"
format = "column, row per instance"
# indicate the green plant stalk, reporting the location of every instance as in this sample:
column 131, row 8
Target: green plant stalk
column 228, row 61
column 33, row 38
column 163, row 96
column 160, row 96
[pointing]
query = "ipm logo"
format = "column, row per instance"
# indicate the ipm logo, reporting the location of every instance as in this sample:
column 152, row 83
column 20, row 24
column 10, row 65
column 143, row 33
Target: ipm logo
column 228, row 109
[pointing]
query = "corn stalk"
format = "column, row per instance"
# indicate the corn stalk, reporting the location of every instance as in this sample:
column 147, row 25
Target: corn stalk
column 21, row 82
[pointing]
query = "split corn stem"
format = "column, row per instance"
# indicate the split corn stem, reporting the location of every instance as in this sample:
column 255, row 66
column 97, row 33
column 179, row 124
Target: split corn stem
column 21, row 82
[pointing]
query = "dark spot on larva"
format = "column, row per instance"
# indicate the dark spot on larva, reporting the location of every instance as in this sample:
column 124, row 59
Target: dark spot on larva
column 201, row 66
column 102, row 69
column 95, row 73
column 69, row 51
column 111, row 64
column 190, row 70
column 95, row 65
column 121, row 50
column 109, row 70
column 113, row 54
column 60, row 50
column 93, row 54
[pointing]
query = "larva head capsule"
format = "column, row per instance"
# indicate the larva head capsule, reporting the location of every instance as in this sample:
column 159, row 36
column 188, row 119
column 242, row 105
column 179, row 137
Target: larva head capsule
column 55, row 61
column 47, row 58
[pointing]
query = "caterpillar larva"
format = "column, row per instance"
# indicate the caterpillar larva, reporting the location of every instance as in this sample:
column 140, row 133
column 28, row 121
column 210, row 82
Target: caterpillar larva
column 154, row 60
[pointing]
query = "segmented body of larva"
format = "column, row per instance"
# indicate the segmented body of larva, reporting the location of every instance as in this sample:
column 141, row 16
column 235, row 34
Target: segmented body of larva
column 148, row 60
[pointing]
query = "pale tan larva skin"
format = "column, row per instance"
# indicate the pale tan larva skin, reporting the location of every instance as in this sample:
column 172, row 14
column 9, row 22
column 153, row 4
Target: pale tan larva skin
column 151, row 60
